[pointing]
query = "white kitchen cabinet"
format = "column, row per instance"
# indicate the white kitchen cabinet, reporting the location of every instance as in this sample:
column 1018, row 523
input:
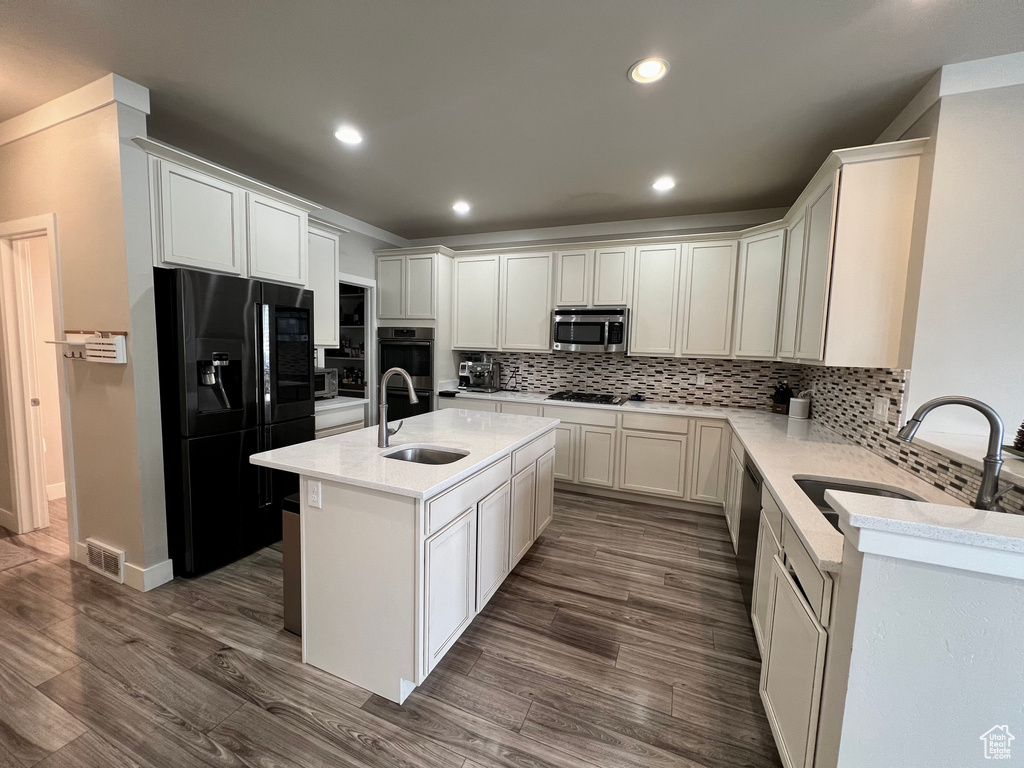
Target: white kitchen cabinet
column 792, row 670
column 492, row 544
column 573, row 278
column 545, row 509
column 278, row 240
column 597, row 455
column 734, row 498
column 758, row 285
column 792, row 280
column 653, row 463
column 655, row 300
column 710, row 463
column 707, row 305
column 524, row 504
column 526, row 302
column 817, row 268
column 467, row 404
column 768, row 548
column 199, row 220
column 521, row 409
column 613, row 277
column 419, row 287
column 475, row 302
column 566, row 439
column 407, row 285
column 449, row 574
column 390, row 287
column 322, row 280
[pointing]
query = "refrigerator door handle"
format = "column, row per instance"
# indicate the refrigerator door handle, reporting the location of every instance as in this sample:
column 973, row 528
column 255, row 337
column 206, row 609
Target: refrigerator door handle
column 264, row 319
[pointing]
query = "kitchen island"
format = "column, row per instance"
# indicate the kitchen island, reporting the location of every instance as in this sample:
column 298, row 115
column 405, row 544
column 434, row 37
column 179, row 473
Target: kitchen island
column 398, row 557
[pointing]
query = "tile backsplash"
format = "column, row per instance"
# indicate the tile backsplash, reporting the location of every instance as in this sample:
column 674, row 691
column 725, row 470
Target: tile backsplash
column 843, row 400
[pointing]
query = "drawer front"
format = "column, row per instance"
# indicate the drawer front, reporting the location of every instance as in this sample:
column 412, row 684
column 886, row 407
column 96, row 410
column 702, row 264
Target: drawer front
column 530, row 452
column 521, row 409
column 595, row 416
column 816, row 585
column 772, row 511
column 649, row 422
column 470, row 405
column 451, row 503
column 322, row 433
column 341, row 417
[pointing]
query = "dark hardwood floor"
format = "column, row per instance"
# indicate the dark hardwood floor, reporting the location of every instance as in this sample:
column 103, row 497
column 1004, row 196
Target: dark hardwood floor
column 619, row 640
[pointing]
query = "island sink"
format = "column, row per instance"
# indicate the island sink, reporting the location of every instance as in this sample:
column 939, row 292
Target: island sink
column 423, row 454
column 815, row 489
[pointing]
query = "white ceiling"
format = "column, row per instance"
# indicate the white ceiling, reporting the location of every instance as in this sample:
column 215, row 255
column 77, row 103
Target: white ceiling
column 522, row 107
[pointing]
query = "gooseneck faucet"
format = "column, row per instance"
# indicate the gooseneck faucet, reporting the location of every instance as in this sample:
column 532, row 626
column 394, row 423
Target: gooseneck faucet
column 384, row 432
column 988, row 494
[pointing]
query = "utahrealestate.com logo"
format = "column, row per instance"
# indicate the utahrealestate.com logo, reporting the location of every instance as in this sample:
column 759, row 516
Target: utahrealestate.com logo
column 997, row 742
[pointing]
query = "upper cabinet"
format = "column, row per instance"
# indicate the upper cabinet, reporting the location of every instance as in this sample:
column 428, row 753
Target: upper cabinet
column 599, row 277
column 706, row 310
column 817, row 263
column 210, row 218
column 408, row 284
column 322, row 280
column 526, row 302
column 789, row 311
column 475, row 302
column 758, row 286
column 655, row 300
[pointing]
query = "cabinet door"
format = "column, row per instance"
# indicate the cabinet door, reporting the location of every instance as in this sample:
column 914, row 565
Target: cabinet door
column 573, row 278
column 710, row 461
column 202, row 221
column 792, row 670
column 792, row 277
column 613, row 276
column 278, row 241
column 322, row 280
column 390, row 287
column 653, row 463
column 757, row 294
column 545, row 509
column 492, row 554
column 526, row 302
column 449, row 575
column 736, row 491
column 597, row 456
column 475, row 302
column 524, row 503
column 655, row 300
column 817, row 273
column 708, row 299
column 566, row 438
column 764, row 582
column 419, row 287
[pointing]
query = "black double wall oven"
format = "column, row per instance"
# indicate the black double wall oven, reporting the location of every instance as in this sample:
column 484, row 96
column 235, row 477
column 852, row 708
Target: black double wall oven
column 236, row 378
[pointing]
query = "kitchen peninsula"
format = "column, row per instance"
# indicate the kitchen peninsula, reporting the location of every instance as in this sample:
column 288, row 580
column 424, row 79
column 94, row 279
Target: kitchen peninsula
column 398, row 557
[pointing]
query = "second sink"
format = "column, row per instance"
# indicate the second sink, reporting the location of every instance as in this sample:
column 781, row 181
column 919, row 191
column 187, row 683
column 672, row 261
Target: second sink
column 419, row 454
column 815, row 489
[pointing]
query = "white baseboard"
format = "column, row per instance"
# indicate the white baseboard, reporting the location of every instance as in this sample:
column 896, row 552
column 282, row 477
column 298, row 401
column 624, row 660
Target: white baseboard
column 8, row 520
column 55, row 491
column 142, row 579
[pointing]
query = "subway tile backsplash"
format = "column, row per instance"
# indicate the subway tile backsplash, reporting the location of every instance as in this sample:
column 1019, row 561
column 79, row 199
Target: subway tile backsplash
column 843, row 399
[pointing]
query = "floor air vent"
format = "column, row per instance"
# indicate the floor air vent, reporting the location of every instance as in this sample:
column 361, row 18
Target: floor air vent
column 106, row 560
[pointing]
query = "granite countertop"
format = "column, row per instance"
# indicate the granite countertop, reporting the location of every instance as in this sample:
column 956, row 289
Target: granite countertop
column 339, row 402
column 782, row 448
column 353, row 458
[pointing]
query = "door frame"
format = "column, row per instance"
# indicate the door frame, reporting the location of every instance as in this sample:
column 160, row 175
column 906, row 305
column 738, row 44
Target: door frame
column 370, row 310
column 25, row 430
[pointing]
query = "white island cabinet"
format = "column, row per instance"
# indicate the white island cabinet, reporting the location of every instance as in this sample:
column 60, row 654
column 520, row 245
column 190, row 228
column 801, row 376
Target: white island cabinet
column 399, row 557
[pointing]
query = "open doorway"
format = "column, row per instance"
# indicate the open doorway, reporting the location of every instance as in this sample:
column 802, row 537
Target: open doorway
column 36, row 478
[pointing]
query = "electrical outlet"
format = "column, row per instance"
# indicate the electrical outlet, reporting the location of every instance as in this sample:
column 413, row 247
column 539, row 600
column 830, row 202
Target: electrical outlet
column 881, row 410
column 702, row 379
column 313, row 491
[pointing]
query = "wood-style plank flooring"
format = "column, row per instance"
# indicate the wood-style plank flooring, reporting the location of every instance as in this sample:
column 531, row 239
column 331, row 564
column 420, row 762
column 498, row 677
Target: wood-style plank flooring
column 619, row 640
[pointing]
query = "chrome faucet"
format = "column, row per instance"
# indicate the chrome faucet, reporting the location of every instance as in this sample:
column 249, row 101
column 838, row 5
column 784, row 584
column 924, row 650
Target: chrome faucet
column 988, row 494
column 384, row 432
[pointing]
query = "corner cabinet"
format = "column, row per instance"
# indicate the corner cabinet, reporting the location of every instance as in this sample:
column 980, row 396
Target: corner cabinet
column 475, row 302
column 710, row 465
column 758, row 286
column 322, row 279
column 525, row 302
column 655, row 301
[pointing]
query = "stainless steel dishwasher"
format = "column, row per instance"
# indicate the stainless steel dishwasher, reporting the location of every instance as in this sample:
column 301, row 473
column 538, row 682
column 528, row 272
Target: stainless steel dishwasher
column 750, row 520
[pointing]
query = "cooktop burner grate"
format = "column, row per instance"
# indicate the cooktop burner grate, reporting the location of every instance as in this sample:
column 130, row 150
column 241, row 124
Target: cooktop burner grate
column 586, row 397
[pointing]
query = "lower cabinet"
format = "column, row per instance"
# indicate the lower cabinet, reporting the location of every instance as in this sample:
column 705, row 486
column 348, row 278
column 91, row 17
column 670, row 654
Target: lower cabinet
column 734, row 498
column 764, row 583
column 449, row 574
column 792, row 670
column 653, row 463
column 597, row 455
column 710, row 461
column 545, row 510
column 524, row 504
column 492, row 555
column 566, row 437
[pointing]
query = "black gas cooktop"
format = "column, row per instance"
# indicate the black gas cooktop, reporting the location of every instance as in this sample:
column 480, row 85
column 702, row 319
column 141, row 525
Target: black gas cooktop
column 586, row 397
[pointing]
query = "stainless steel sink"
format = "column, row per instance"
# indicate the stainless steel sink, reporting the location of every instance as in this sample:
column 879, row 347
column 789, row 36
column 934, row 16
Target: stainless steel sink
column 426, row 455
column 815, row 489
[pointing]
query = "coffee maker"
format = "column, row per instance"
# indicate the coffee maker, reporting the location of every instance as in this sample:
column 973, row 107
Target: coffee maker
column 480, row 375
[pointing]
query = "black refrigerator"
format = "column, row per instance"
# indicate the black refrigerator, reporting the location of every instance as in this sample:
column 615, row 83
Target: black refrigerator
column 236, row 378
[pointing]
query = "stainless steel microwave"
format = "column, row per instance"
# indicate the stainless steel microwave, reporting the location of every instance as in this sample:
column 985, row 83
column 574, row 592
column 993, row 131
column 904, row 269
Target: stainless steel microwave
column 590, row 330
column 325, row 383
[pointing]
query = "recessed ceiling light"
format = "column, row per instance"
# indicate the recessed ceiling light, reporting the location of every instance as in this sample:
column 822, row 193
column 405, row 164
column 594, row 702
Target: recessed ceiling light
column 648, row 71
column 664, row 183
column 461, row 207
column 348, row 135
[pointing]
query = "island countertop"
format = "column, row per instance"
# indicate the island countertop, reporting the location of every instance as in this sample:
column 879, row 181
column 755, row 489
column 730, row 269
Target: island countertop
column 353, row 458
